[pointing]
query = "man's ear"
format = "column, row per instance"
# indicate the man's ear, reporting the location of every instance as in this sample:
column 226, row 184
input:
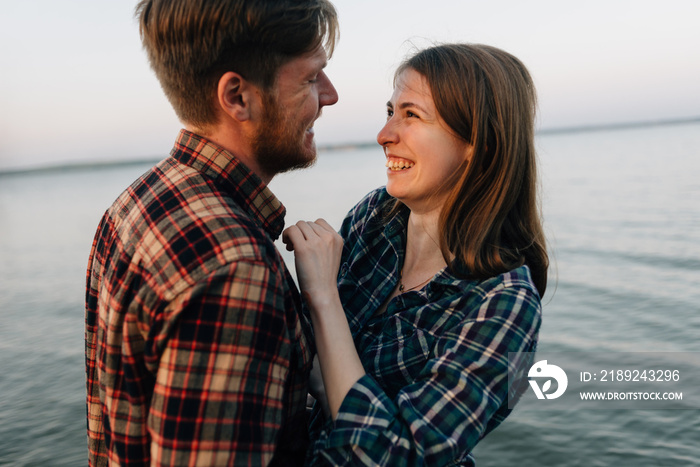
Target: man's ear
column 237, row 97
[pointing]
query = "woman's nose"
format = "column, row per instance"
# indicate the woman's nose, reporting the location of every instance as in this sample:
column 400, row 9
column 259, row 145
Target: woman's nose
column 387, row 134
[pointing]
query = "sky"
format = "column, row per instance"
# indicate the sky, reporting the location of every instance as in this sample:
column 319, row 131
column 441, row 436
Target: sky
column 75, row 84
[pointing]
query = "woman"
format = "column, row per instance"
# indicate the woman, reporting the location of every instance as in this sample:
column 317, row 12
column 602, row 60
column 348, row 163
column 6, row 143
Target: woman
column 440, row 272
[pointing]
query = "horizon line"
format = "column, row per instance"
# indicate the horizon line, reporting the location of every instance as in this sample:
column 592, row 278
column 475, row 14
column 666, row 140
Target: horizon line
column 330, row 147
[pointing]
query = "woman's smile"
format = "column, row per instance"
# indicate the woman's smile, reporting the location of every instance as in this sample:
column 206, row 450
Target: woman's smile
column 396, row 164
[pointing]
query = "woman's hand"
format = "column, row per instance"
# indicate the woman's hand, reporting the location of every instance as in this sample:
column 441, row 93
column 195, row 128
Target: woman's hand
column 317, row 249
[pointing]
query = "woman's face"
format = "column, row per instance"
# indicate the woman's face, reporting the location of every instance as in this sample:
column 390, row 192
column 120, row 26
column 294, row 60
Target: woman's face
column 421, row 151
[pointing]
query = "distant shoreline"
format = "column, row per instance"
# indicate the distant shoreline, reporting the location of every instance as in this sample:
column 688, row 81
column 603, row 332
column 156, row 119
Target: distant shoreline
column 618, row 126
column 108, row 164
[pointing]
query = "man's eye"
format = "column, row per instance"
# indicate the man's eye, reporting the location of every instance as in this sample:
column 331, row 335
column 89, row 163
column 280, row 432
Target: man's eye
column 389, row 113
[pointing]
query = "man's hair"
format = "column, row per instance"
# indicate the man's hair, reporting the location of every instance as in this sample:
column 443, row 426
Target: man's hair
column 192, row 43
column 491, row 220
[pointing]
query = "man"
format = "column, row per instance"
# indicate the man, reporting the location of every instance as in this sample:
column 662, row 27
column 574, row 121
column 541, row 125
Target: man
column 195, row 354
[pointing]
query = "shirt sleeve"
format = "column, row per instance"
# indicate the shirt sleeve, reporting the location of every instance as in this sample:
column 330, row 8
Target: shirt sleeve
column 220, row 379
column 456, row 399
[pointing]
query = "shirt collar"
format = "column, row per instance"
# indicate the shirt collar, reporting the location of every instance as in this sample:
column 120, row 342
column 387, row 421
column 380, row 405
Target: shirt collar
column 233, row 177
column 396, row 227
column 453, row 277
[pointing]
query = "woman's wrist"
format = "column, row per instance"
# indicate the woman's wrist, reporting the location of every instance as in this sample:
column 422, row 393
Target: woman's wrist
column 326, row 309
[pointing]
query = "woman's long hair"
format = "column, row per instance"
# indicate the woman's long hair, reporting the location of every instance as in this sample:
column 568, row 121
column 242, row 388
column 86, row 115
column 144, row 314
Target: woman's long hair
column 491, row 219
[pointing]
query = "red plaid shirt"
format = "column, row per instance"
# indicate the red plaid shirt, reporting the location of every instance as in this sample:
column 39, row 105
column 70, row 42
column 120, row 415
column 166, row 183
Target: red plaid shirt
column 195, row 352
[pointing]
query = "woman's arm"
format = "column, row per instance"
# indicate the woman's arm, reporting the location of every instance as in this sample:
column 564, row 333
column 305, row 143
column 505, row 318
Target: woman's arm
column 317, row 250
column 460, row 394
column 317, row 390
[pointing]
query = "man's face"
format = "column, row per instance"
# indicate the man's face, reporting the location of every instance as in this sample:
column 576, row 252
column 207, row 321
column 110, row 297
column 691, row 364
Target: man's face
column 285, row 139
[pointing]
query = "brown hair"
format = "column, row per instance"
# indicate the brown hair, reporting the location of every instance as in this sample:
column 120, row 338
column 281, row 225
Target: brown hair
column 191, row 43
column 491, row 220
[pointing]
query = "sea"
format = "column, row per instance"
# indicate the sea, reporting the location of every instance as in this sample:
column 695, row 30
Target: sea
column 621, row 208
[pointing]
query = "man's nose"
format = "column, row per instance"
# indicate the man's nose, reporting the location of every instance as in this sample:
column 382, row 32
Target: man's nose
column 328, row 94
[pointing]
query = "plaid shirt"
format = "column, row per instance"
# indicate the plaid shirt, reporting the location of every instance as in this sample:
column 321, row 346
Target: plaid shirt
column 437, row 360
column 194, row 349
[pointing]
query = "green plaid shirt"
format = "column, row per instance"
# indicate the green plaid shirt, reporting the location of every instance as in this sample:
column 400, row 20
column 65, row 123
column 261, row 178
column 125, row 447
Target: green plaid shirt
column 436, row 361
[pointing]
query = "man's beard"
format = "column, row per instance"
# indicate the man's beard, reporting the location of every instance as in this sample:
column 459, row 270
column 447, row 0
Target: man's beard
column 279, row 143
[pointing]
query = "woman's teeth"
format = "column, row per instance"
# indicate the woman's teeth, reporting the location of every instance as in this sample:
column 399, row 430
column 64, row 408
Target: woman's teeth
column 399, row 164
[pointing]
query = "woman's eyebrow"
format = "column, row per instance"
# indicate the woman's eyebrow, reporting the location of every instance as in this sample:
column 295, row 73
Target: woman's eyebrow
column 405, row 105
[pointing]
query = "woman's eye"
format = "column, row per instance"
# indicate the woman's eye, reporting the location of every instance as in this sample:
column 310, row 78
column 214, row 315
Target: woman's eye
column 389, row 113
column 411, row 114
